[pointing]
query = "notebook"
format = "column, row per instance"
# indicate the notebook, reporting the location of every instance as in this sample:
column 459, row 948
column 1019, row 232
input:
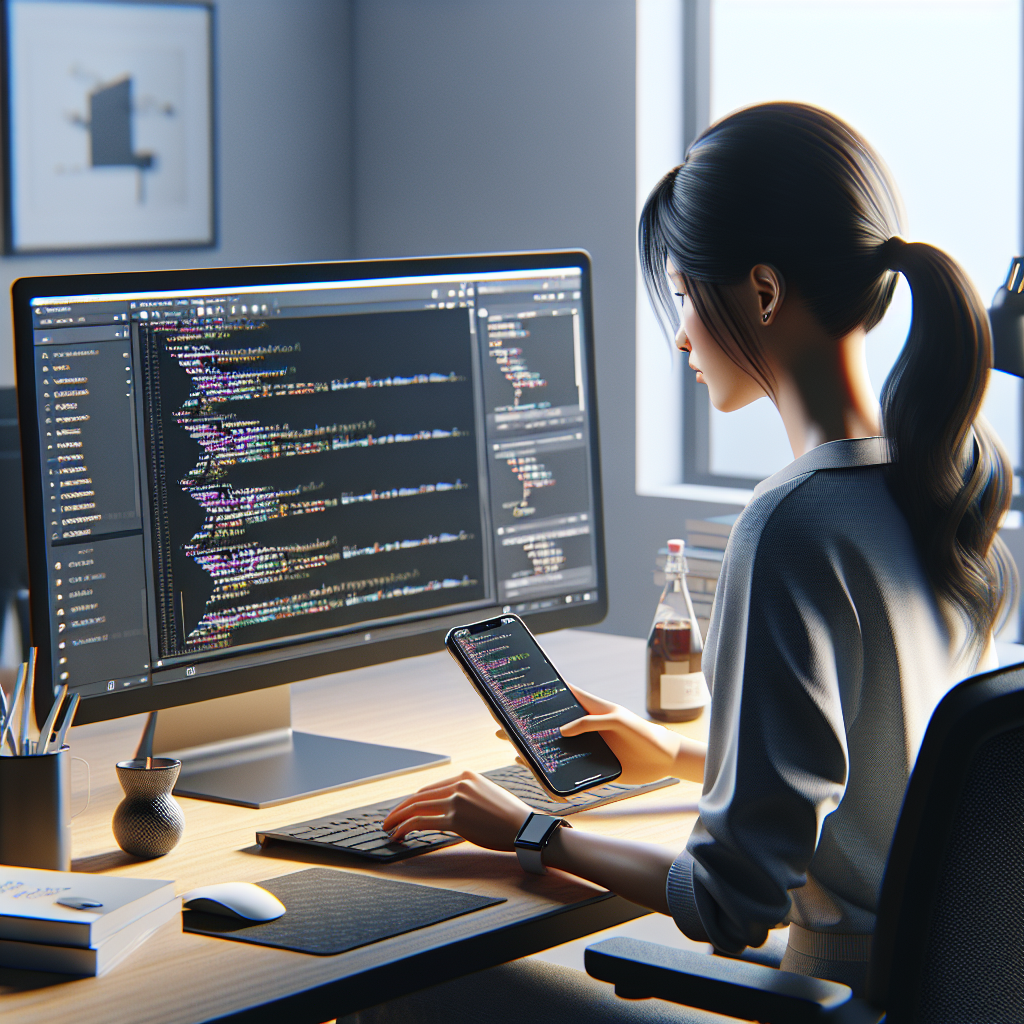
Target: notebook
column 29, row 911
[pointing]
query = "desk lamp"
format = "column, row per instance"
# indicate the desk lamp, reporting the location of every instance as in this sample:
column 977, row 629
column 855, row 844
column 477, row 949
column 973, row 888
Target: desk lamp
column 1007, row 319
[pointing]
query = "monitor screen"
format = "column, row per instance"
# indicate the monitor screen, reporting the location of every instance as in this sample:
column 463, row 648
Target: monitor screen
column 237, row 478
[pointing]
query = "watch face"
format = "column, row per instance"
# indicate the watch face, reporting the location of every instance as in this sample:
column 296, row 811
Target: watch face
column 536, row 830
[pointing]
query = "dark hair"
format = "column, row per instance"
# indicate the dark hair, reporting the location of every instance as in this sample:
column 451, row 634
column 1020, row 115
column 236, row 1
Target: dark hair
column 795, row 187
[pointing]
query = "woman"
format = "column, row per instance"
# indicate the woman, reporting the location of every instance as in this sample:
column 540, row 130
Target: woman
column 859, row 584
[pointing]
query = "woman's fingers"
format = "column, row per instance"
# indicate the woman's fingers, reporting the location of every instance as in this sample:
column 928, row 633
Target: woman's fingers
column 437, row 805
column 435, row 791
column 436, row 810
column 591, row 723
column 469, row 805
column 419, row 823
column 592, row 704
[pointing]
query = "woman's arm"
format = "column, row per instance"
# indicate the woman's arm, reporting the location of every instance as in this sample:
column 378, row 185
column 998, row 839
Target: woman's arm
column 637, row 871
column 486, row 814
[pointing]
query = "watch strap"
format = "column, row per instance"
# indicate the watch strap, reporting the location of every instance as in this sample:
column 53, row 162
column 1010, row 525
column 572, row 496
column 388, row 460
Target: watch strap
column 531, row 861
column 531, row 857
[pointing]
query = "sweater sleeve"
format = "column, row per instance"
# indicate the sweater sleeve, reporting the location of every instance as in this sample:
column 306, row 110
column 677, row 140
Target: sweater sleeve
column 785, row 645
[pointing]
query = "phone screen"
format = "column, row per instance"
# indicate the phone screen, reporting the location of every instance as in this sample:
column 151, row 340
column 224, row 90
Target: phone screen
column 529, row 694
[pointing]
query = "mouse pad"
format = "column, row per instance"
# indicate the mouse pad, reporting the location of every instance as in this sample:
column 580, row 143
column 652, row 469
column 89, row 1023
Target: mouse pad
column 331, row 911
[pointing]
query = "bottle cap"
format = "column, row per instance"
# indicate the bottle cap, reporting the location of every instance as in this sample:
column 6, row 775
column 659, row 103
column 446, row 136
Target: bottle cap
column 675, row 547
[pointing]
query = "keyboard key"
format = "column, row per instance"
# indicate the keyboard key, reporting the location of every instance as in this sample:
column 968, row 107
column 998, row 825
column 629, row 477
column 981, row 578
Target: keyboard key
column 373, row 844
column 348, row 842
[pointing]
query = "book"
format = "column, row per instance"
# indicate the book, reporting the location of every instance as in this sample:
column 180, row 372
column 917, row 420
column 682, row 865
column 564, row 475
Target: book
column 706, row 562
column 29, row 911
column 41, row 956
column 706, row 540
column 721, row 526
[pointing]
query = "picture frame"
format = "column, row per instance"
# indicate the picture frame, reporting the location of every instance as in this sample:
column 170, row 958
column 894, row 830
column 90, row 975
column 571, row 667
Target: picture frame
column 108, row 125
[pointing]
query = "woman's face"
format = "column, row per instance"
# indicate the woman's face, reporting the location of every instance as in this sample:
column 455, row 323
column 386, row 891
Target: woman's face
column 729, row 386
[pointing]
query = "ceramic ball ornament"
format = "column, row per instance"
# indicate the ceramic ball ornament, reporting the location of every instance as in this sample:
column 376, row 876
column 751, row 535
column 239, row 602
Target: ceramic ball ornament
column 148, row 822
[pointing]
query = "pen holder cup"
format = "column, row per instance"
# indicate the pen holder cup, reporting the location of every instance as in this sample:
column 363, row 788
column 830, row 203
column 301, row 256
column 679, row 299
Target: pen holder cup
column 35, row 810
column 148, row 822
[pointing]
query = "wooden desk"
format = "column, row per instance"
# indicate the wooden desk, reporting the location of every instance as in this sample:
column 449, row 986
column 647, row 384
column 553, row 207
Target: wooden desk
column 422, row 702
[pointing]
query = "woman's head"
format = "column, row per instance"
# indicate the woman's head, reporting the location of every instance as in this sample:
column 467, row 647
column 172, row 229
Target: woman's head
column 724, row 371
column 784, row 185
column 793, row 189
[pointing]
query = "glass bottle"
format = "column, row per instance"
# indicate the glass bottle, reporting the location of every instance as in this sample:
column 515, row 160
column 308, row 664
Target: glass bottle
column 676, row 690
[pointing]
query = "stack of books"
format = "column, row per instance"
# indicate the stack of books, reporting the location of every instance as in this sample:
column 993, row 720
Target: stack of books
column 73, row 923
column 705, row 548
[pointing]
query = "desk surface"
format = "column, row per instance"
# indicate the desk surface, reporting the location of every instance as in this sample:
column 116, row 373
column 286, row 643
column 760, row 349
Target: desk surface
column 421, row 702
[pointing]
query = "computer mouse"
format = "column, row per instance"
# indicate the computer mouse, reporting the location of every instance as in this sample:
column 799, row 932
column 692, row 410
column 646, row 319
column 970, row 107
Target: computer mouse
column 241, row 900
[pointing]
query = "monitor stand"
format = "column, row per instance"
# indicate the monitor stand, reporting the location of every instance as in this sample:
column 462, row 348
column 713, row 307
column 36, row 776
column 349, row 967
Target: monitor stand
column 243, row 750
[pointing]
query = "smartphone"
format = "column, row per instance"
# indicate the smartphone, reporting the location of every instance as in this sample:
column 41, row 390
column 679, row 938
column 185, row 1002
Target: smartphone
column 530, row 700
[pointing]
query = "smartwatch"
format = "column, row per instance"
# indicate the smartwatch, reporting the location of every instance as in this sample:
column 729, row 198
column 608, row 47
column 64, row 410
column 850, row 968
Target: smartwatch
column 533, row 837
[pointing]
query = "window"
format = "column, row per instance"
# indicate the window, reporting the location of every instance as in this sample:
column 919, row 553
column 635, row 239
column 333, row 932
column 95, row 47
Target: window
column 935, row 86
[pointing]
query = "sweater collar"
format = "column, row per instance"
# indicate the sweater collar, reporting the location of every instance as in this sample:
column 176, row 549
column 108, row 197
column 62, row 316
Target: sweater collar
column 848, row 453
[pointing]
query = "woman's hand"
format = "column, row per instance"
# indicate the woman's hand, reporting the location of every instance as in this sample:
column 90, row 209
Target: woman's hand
column 469, row 805
column 646, row 751
column 487, row 815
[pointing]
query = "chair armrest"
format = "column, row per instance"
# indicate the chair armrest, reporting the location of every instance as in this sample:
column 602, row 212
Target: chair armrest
column 736, row 988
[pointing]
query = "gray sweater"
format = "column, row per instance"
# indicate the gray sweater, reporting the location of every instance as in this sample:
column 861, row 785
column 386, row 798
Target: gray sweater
column 826, row 656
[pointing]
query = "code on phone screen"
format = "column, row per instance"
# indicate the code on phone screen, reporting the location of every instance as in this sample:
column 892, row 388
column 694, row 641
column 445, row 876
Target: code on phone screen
column 537, row 702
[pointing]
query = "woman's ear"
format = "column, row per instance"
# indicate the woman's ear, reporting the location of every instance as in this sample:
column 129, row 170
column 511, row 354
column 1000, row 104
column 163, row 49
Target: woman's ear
column 769, row 289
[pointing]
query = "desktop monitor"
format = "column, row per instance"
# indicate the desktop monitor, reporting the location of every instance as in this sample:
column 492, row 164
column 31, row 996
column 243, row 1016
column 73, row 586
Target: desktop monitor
column 241, row 478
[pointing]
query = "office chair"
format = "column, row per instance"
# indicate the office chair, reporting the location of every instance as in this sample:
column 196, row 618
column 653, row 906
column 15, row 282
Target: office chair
column 948, row 944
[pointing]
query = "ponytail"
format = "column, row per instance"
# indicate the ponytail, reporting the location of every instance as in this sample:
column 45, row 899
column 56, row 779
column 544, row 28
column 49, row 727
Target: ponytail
column 796, row 187
column 949, row 474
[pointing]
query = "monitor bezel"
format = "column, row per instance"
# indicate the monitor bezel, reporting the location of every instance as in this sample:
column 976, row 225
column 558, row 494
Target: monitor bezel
column 294, row 669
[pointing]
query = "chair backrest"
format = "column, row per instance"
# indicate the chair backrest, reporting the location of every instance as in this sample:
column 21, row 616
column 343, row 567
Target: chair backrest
column 949, row 942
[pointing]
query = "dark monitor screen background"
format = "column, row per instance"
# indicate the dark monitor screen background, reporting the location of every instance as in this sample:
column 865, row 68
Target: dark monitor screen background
column 311, row 468
column 238, row 478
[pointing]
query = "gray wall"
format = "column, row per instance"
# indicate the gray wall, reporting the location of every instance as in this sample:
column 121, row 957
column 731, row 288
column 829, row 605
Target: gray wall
column 283, row 150
column 482, row 125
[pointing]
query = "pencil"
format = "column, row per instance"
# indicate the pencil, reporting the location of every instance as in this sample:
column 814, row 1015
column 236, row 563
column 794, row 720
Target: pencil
column 27, row 698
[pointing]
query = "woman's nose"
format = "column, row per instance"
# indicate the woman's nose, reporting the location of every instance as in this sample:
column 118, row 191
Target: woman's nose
column 682, row 342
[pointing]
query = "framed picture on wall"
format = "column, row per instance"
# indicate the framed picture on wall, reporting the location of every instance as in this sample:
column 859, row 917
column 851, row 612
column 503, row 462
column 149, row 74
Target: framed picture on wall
column 108, row 125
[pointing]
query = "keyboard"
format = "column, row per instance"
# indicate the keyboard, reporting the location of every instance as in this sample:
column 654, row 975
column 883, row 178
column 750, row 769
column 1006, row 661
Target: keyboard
column 359, row 831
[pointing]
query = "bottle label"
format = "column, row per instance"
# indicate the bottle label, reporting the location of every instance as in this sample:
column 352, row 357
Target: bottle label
column 683, row 691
